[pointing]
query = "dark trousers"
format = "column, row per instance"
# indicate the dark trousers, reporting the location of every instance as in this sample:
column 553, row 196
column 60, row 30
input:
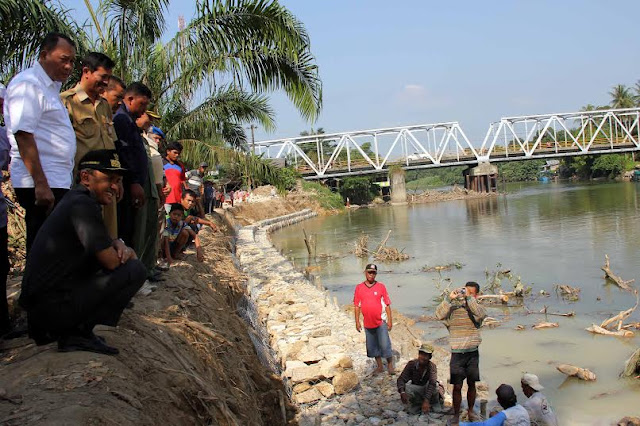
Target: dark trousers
column 4, row 271
column 35, row 215
column 100, row 299
column 126, row 217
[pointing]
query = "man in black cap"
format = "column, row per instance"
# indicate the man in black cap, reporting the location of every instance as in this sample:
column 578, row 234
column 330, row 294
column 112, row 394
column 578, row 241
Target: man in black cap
column 77, row 276
column 371, row 300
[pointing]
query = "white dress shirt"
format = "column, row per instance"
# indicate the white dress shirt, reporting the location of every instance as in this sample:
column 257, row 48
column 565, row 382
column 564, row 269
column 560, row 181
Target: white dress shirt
column 33, row 106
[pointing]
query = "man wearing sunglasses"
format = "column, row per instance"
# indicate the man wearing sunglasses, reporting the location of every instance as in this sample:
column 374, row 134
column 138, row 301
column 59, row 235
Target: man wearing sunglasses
column 372, row 301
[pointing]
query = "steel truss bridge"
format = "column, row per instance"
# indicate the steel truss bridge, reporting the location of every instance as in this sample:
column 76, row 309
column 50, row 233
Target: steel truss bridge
column 445, row 144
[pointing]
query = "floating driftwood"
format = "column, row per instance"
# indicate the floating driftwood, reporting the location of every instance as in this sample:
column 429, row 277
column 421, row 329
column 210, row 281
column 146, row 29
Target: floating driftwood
column 543, row 325
column 596, row 329
column 490, row 322
column 384, row 253
column 502, row 298
column 573, row 371
column 361, row 249
column 615, row 278
column 439, row 268
column 567, row 292
column 616, row 323
column 632, row 365
column 545, row 311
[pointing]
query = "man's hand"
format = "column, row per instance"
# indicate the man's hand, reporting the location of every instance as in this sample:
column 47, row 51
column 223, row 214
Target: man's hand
column 358, row 326
column 200, row 254
column 124, row 253
column 137, row 195
column 456, row 294
column 44, row 196
column 404, row 398
column 425, row 406
column 389, row 325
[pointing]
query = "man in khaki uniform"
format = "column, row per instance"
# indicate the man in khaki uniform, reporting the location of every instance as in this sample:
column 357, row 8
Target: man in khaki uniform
column 91, row 118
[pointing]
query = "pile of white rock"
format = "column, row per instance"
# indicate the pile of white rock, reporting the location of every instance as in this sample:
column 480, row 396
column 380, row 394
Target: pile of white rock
column 322, row 356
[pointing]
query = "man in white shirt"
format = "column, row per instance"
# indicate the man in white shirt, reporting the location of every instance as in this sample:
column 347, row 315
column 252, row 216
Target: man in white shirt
column 537, row 405
column 43, row 143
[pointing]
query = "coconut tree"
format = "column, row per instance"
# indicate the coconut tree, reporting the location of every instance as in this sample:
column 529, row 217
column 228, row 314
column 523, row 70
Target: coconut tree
column 621, row 97
column 23, row 25
column 636, row 93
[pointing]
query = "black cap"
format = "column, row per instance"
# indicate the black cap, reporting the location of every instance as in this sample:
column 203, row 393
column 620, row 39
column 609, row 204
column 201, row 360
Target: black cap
column 371, row 267
column 104, row 160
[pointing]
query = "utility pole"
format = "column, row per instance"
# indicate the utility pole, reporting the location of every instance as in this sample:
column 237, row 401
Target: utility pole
column 253, row 138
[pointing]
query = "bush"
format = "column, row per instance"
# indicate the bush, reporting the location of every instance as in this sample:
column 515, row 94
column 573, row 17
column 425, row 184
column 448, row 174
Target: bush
column 289, row 177
column 520, row 171
column 328, row 199
column 359, row 190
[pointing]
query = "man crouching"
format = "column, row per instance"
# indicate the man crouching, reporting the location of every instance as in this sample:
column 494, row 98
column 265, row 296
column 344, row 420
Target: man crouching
column 76, row 276
column 417, row 384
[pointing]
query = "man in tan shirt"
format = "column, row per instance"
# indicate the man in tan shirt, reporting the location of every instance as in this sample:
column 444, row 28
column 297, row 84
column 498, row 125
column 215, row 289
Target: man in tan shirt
column 91, row 118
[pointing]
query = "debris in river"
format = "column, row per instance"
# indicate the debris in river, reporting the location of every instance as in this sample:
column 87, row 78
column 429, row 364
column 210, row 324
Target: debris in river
column 384, row 253
column 490, row 322
column 632, row 365
column 361, row 249
column 615, row 278
column 567, row 292
column 501, row 298
column 542, row 325
column 616, row 323
column 520, row 327
column 596, row 329
column 573, row 371
column 545, row 311
column 446, row 267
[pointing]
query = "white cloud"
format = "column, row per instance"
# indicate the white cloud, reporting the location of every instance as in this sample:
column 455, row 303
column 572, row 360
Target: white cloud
column 417, row 96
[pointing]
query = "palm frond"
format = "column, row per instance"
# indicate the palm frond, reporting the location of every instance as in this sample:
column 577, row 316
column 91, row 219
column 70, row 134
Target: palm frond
column 226, row 106
column 259, row 43
column 23, row 25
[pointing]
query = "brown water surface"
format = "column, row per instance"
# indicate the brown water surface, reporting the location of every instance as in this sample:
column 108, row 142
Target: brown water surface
column 546, row 234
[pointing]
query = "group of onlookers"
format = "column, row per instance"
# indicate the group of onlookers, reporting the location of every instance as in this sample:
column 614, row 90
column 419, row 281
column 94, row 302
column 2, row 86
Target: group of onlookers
column 418, row 384
column 99, row 186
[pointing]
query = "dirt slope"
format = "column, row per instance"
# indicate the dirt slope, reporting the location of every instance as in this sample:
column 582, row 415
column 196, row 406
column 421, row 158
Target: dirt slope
column 186, row 358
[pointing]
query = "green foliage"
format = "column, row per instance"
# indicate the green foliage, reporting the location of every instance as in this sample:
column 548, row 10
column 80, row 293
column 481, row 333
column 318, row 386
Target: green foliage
column 519, row 171
column 433, row 178
column 609, row 166
column 289, row 177
column 23, row 25
column 359, row 190
column 328, row 199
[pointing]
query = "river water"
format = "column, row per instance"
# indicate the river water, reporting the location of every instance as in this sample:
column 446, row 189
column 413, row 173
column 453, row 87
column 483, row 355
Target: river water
column 546, row 234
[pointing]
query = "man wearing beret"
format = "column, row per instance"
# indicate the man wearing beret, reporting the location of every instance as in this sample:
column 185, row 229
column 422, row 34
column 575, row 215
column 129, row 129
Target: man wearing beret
column 76, row 275
column 417, row 384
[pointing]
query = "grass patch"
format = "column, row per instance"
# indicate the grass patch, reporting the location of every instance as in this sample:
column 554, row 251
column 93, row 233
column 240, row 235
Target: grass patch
column 328, row 199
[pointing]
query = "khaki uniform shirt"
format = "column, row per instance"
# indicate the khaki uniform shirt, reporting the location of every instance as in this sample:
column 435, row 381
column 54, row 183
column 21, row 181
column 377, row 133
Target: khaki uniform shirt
column 92, row 122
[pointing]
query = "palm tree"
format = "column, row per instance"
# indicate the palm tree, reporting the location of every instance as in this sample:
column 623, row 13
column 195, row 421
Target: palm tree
column 23, row 25
column 621, row 97
column 636, row 94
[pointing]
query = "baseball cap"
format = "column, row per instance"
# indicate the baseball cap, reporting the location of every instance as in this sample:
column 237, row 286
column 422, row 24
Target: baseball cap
column 371, row 267
column 204, row 164
column 104, row 160
column 426, row 348
column 532, row 381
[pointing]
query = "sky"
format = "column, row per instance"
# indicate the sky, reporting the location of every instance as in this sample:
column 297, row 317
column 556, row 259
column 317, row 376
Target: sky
column 385, row 64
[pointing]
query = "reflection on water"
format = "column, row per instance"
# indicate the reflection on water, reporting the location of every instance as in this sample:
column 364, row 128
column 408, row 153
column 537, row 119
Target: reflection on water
column 546, row 234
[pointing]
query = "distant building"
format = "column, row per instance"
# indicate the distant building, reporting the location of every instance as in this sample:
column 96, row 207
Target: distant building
column 551, row 166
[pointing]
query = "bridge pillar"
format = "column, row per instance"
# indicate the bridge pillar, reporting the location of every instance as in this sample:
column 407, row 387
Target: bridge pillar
column 482, row 178
column 398, row 188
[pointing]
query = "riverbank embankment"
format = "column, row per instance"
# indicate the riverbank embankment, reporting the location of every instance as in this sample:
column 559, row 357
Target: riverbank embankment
column 322, row 357
column 187, row 357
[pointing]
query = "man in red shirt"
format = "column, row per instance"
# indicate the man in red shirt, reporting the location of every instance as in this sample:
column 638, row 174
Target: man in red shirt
column 372, row 300
column 175, row 173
